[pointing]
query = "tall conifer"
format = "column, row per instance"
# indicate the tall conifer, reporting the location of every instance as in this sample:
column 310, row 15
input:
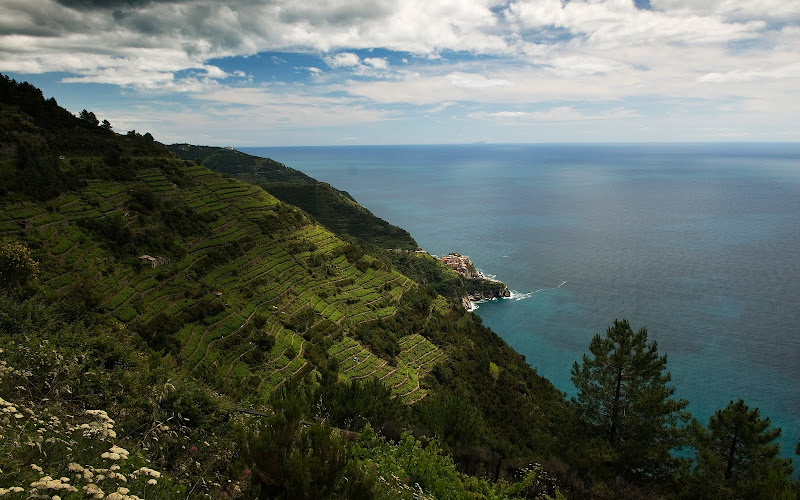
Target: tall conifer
column 623, row 397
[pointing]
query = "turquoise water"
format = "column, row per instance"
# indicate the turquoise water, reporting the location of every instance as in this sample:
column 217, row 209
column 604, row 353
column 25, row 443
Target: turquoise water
column 698, row 243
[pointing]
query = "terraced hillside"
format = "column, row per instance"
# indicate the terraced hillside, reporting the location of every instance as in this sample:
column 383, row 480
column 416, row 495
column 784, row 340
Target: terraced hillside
column 222, row 289
column 263, row 294
column 335, row 209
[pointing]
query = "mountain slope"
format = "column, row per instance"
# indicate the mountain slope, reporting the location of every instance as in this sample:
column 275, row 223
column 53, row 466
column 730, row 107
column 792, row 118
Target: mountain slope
column 340, row 213
column 335, row 209
column 191, row 276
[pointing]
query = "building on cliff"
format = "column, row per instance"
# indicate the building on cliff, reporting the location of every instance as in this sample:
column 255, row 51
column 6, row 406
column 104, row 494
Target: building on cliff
column 459, row 263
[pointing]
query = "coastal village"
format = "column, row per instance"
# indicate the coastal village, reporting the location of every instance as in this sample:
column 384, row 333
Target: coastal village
column 461, row 264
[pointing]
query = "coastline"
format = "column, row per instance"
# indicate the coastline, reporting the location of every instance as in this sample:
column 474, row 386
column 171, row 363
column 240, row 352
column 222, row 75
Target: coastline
column 499, row 291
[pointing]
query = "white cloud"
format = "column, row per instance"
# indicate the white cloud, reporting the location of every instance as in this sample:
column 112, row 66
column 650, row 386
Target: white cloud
column 557, row 114
column 474, row 81
column 618, row 22
column 495, row 57
column 734, row 9
column 441, row 107
column 342, row 60
column 791, row 71
column 377, row 62
column 280, row 106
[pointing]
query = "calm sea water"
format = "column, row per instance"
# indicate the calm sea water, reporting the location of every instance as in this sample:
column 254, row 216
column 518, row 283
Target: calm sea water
column 698, row 243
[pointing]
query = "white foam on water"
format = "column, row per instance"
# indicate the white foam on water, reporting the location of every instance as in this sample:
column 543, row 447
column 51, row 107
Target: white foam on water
column 515, row 295
column 484, row 275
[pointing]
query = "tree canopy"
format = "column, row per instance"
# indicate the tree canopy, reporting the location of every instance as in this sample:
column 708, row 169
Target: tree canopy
column 737, row 456
column 89, row 117
column 623, row 396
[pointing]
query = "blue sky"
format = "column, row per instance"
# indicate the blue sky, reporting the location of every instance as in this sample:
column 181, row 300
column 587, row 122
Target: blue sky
column 284, row 72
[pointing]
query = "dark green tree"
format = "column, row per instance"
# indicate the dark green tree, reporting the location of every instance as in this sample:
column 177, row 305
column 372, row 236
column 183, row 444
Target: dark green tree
column 89, row 117
column 353, row 405
column 623, row 396
column 106, row 125
column 299, row 460
column 453, row 418
column 737, row 456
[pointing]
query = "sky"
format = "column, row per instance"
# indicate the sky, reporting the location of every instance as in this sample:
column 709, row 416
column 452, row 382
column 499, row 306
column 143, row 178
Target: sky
column 348, row 72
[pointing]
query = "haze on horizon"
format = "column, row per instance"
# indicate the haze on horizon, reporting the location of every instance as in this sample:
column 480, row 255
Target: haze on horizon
column 282, row 72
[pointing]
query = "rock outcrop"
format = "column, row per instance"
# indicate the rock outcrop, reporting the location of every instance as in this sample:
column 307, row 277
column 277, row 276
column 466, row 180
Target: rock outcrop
column 493, row 290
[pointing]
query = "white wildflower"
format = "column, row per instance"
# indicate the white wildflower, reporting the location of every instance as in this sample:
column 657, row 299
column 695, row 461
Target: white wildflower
column 93, row 490
column 115, row 453
column 149, row 472
column 48, row 483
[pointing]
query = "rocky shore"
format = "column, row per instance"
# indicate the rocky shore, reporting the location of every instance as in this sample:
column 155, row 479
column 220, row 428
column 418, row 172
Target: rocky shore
column 478, row 286
column 498, row 290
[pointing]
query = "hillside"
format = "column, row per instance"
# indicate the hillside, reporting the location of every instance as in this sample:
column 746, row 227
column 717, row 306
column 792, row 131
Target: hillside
column 335, row 209
column 171, row 297
column 167, row 332
column 340, row 213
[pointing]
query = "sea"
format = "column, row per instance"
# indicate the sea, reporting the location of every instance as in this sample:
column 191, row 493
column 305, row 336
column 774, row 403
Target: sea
column 699, row 243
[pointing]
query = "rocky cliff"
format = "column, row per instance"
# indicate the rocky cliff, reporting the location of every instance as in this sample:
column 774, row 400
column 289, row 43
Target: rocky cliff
column 488, row 290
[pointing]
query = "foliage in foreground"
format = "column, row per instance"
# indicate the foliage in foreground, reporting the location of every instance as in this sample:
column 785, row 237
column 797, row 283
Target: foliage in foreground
column 292, row 458
column 624, row 397
column 737, row 456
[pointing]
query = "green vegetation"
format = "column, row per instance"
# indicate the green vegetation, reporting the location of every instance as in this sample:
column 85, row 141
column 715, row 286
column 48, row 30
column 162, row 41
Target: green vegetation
column 334, row 209
column 170, row 332
column 624, row 397
column 737, row 456
column 18, row 270
column 427, row 270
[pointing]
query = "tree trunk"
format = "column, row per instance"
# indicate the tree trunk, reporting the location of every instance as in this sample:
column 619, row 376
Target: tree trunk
column 729, row 465
column 612, row 437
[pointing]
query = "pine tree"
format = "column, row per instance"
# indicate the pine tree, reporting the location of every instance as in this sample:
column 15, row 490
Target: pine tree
column 89, row 117
column 737, row 456
column 623, row 397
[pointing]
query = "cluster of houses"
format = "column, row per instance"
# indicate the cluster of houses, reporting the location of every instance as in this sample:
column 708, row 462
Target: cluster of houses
column 459, row 263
